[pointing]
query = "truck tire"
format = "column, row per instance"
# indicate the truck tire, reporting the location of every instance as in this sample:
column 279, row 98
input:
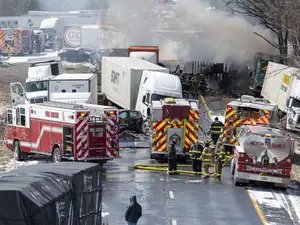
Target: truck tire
column 145, row 127
column 56, row 156
column 17, row 151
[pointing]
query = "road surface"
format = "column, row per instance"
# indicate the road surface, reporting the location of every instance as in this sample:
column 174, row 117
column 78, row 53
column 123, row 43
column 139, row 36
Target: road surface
column 180, row 200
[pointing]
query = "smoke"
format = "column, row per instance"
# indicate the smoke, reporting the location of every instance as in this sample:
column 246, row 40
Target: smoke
column 214, row 35
column 68, row 5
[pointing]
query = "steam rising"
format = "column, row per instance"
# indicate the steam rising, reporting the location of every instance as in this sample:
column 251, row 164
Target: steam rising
column 218, row 36
column 215, row 35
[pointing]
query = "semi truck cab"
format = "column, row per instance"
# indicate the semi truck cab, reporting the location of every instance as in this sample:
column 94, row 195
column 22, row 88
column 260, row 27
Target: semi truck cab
column 155, row 86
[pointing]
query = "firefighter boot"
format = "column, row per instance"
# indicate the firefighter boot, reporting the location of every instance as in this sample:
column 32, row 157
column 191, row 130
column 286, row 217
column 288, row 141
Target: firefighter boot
column 206, row 171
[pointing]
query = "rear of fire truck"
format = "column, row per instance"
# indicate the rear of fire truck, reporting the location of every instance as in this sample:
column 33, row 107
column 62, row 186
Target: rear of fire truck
column 264, row 155
column 245, row 111
column 174, row 119
column 103, row 132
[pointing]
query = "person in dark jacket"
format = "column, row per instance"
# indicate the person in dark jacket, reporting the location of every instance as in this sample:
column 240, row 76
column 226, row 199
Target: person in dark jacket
column 216, row 130
column 195, row 155
column 133, row 212
column 172, row 158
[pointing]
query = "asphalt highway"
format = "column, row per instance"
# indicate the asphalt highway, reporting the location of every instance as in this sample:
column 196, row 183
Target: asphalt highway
column 174, row 200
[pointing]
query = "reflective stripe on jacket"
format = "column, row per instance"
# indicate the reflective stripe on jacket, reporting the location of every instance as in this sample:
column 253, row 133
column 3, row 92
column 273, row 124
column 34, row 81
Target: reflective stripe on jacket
column 206, row 156
column 216, row 127
column 196, row 152
column 220, row 153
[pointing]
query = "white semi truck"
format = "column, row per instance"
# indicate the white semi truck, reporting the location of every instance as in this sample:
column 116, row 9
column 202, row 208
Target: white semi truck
column 133, row 84
column 281, row 87
column 69, row 88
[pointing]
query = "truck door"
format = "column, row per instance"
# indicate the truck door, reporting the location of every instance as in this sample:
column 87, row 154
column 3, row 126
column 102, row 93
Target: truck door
column 17, row 93
column 175, row 133
column 97, row 139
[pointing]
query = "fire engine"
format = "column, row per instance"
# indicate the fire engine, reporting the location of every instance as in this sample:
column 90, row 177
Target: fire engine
column 174, row 119
column 246, row 110
column 264, row 154
column 63, row 131
column 19, row 40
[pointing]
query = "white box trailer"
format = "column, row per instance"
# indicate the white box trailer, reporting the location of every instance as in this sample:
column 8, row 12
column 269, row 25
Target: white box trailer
column 74, row 88
column 121, row 78
column 281, row 88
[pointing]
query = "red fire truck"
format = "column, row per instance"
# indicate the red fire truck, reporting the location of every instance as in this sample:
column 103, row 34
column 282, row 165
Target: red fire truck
column 62, row 130
column 263, row 154
column 16, row 41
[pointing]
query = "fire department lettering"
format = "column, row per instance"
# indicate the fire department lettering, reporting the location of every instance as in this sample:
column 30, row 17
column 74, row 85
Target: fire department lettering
column 115, row 77
column 52, row 114
column 256, row 143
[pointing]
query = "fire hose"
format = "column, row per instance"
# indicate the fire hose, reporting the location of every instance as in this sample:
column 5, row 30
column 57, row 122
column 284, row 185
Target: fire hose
column 164, row 167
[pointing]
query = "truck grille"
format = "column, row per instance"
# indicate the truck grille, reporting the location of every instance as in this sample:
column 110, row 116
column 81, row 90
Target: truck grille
column 38, row 100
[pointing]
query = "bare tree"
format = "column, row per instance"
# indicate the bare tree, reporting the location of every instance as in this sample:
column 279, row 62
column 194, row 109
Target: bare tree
column 272, row 14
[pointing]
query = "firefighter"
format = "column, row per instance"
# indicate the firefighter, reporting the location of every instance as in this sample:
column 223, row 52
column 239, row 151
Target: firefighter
column 219, row 159
column 206, row 158
column 216, row 130
column 195, row 155
column 172, row 161
column 38, row 46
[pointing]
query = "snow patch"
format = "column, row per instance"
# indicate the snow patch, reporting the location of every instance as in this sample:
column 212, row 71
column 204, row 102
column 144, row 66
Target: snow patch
column 24, row 59
column 266, row 198
column 290, row 201
column 13, row 164
column 294, row 198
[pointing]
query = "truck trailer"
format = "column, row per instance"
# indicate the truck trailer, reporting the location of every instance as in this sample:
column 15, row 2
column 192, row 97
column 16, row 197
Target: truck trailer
column 121, row 82
column 281, row 87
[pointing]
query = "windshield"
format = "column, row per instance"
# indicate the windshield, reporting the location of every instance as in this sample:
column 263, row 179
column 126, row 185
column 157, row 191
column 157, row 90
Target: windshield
column 296, row 103
column 37, row 86
column 156, row 97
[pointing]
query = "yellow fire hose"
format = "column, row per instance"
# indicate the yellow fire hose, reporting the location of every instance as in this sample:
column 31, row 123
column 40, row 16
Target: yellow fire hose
column 164, row 167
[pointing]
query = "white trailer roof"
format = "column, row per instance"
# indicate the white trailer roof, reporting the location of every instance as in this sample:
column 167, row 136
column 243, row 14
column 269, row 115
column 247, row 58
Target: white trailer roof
column 132, row 62
column 93, row 26
column 74, row 76
column 49, row 23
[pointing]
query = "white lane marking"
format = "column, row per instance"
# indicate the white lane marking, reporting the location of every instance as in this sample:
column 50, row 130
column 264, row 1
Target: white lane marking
column 171, row 194
column 174, row 222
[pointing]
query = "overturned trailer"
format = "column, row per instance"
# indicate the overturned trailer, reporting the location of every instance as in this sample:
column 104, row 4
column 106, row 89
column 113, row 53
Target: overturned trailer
column 52, row 194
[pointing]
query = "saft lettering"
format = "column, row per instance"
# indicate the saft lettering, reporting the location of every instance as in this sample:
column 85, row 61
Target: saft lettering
column 115, row 77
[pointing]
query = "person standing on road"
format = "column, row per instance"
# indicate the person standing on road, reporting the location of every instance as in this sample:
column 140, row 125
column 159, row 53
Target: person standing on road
column 172, row 158
column 195, row 155
column 133, row 212
column 219, row 159
column 216, row 130
column 206, row 158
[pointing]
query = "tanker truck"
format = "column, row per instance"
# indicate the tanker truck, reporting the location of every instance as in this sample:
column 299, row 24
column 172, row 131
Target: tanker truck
column 264, row 154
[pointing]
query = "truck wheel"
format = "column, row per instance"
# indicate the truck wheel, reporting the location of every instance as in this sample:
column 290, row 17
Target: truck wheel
column 145, row 127
column 30, row 52
column 17, row 151
column 56, row 157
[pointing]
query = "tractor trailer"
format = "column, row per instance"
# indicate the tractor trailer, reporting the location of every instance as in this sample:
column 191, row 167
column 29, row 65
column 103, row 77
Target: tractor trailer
column 281, row 87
